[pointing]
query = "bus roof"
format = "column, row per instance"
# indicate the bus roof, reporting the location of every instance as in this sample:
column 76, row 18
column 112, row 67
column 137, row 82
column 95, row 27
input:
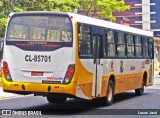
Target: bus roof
column 111, row 25
column 94, row 21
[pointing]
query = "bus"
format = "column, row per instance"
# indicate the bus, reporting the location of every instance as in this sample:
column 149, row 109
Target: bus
column 66, row 55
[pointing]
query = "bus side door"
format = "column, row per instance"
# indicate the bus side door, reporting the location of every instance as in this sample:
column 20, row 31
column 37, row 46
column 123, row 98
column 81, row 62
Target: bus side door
column 97, row 78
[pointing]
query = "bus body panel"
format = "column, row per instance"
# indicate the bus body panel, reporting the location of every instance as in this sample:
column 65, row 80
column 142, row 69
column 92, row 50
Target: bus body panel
column 84, row 79
column 25, row 63
column 128, row 76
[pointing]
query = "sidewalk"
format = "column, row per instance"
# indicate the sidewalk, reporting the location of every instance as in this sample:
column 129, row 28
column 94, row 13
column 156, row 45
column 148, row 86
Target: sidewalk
column 5, row 94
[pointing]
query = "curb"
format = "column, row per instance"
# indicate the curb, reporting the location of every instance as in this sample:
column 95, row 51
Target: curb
column 5, row 95
column 1, row 97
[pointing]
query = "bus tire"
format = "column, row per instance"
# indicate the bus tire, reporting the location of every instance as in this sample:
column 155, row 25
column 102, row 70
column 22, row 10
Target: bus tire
column 109, row 94
column 140, row 91
column 54, row 99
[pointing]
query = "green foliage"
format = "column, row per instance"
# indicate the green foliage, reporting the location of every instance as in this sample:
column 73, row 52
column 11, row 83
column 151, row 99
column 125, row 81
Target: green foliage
column 8, row 6
column 103, row 8
column 3, row 21
column 1, row 3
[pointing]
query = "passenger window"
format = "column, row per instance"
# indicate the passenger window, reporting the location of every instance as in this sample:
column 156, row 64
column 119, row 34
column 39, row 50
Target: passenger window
column 121, row 45
column 130, row 45
column 151, row 48
column 145, row 47
column 85, row 40
column 138, row 45
column 110, row 43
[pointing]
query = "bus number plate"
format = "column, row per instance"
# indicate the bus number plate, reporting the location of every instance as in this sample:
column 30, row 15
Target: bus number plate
column 37, row 58
column 36, row 73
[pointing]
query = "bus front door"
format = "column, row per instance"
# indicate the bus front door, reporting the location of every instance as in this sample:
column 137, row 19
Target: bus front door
column 97, row 42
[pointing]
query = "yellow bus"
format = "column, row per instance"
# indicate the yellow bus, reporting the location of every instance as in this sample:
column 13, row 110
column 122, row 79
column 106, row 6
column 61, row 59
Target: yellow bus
column 63, row 55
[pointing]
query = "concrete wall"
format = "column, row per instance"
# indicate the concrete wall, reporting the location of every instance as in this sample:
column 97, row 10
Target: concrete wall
column 146, row 25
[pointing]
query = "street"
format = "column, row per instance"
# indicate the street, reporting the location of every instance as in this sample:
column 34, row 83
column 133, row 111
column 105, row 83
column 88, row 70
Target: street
column 85, row 49
column 122, row 102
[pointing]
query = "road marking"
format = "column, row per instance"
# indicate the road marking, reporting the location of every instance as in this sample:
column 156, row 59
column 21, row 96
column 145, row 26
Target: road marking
column 14, row 97
column 1, row 97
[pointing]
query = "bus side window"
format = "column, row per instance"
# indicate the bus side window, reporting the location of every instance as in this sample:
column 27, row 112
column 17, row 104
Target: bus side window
column 110, row 43
column 84, row 41
column 130, row 45
column 151, row 50
column 145, row 46
column 121, row 44
column 138, row 46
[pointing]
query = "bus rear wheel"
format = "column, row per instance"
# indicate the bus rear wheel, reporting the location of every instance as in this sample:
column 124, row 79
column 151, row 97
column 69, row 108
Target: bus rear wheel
column 140, row 91
column 108, row 99
column 54, row 99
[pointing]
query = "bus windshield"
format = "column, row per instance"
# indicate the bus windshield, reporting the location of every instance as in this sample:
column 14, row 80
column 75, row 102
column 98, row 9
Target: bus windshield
column 40, row 28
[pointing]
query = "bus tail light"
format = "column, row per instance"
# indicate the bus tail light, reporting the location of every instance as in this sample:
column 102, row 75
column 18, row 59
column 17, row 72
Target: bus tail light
column 10, row 15
column 6, row 71
column 71, row 17
column 69, row 74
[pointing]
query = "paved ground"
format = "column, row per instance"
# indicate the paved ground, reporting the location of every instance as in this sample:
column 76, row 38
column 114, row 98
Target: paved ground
column 5, row 94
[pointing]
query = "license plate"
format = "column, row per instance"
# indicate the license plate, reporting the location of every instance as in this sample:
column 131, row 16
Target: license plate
column 36, row 73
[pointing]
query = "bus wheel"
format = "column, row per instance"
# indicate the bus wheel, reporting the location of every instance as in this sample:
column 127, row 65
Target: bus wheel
column 54, row 99
column 140, row 91
column 110, row 93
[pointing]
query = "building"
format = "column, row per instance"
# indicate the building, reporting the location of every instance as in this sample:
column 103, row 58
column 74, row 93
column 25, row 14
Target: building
column 132, row 16
column 144, row 14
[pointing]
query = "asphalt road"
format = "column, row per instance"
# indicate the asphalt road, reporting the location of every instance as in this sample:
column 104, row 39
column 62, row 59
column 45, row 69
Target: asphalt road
column 124, row 104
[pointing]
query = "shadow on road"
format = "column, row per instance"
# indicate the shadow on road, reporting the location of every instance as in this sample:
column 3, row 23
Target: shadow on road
column 80, row 106
column 124, row 96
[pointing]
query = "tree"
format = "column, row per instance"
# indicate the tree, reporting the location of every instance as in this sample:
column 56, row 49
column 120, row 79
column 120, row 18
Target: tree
column 93, row 8
column 103, row 8
column 3, row 22
column 8, row 6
